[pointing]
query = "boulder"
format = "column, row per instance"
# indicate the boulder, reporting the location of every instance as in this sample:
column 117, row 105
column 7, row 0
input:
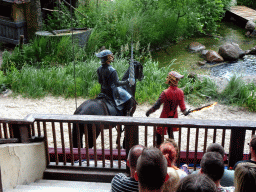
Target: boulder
column 253, row 34
column 252, row 51
column 247, row 34
column 231, row 52
column 204, row 52
column 213, row 57
column 250, row 25
column 201, row 63
column 247, row 52
column 196, row 47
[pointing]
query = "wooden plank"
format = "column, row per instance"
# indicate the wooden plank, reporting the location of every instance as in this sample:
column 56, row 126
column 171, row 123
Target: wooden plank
column 244, row 12
column 123, row 120
column 12, row 140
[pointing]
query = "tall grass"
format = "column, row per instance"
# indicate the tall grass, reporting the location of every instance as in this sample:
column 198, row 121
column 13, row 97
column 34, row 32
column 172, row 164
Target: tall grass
column 59, row 81
column 239, row 93
column 44, row 52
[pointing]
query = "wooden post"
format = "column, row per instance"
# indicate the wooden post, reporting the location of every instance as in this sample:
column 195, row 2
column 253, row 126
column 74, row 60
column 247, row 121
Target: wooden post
column 132, row 138
column 236, row 146
column 21, row 41
column 21, row 131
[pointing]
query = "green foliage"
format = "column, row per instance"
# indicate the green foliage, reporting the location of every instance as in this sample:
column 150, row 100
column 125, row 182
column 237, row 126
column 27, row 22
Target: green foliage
column 239, row 93
column 115, row 23
column 197, row 91
column 43, row 52
column 153, row 83
column 60, row 18
column 251, row 100
column 3, row 80
column 211, row 13
column 248, row 3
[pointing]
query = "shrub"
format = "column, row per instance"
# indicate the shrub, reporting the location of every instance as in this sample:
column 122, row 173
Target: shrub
column 3, row 81
column 156, row 22
column 44, row 52
column 248, row 3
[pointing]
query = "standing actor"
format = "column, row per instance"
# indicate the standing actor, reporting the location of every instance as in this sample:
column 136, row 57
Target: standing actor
column 171, row 98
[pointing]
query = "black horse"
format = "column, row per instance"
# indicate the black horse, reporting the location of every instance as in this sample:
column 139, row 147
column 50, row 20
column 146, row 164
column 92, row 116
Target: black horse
column 98, row 107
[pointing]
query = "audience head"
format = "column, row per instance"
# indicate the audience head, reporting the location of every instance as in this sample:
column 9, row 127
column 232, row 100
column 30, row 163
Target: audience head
column 215, row 147
column 212, row 165
column 245, row 177
column 133, row 155
column 169, row 152
column 196, row 183
column 253, row 143
column 151, row 171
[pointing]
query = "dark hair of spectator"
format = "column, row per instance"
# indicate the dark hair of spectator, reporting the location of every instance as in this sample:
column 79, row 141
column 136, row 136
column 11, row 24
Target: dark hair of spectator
column 253, row 143
column 245, row 177
column 215, row 147
column 196, row 183
column 134, row 154
column 212, row 165
column 151, row 169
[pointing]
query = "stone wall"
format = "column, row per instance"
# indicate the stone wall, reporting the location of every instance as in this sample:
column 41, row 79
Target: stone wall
column 21, row 163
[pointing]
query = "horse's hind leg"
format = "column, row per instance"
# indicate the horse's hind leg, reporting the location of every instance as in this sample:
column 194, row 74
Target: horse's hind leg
column 75, row 135
column 90, row 134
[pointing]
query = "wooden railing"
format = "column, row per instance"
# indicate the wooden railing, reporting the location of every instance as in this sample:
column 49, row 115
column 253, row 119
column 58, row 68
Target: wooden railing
column 15, row 131
column 193, row 137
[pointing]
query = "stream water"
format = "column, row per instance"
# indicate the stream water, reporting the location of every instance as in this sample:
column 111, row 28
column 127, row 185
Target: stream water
column 228, row 32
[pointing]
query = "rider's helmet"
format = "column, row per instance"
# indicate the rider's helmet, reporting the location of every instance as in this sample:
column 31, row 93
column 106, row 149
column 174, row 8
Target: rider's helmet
column 104, row 55
column 173, row 78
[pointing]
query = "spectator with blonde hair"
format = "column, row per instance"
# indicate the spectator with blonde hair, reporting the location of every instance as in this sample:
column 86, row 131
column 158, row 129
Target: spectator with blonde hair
column 245, row 177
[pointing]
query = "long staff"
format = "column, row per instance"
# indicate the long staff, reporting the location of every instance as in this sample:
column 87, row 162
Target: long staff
column 131, row 71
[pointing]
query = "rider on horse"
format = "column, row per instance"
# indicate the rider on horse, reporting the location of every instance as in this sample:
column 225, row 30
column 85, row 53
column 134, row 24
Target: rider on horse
column 110, row 84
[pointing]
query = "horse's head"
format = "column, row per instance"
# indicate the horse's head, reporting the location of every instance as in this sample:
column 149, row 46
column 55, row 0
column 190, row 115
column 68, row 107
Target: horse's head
column 138, row 68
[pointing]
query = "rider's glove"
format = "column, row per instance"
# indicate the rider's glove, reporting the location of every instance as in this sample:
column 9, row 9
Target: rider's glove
column 151, row 110
column 186, row 112
column 131, row 81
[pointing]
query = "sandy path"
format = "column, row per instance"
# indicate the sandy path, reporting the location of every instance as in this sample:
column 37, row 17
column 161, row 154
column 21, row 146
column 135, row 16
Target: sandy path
column 18, row 108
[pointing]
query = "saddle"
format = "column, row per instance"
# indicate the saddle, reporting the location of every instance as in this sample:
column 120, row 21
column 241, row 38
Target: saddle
column 110, row 104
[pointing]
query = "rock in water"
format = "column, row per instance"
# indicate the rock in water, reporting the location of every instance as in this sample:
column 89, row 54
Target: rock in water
column 250, row 25
column 213, row 56
column 231, row 52
column 196, row 47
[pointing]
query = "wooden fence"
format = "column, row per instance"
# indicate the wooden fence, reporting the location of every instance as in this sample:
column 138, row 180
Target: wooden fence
column 192, row 138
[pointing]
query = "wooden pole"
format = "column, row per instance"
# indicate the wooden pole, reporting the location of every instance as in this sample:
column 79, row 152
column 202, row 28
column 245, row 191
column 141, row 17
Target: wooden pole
column 236, row 146
column 21, row 42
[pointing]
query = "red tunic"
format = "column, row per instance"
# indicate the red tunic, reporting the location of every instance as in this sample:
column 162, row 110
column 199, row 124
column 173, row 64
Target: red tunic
column 171, row 98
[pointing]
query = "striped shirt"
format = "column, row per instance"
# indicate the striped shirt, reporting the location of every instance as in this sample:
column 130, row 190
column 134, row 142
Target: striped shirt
column 121, row 182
